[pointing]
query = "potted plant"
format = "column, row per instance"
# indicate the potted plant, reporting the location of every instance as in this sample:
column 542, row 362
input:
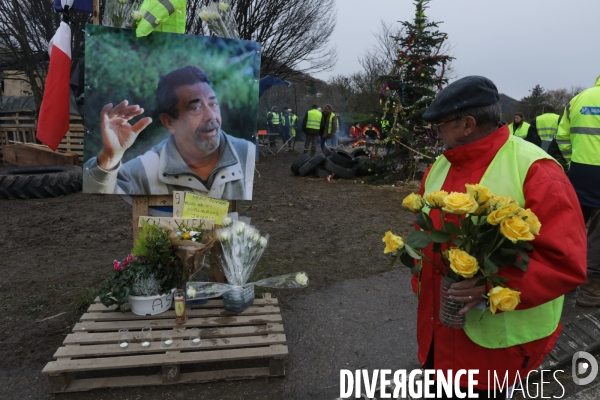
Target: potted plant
column 146, row 278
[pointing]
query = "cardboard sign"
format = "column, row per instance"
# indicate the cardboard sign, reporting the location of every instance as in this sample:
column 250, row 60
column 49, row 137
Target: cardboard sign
column 196, row 206
column 172, row 223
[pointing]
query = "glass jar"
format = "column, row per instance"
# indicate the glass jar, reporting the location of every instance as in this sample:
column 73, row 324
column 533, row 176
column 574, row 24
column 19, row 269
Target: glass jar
column 449, row 309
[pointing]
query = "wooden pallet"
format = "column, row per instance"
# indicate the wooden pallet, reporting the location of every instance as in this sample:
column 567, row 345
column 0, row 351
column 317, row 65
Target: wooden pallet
column 92, row 348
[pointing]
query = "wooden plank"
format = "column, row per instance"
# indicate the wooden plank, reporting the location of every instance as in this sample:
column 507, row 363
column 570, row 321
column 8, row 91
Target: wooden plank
column 170, row 373
column 91, row 326
column 85, row 338
column 139, row 208
column 79, row 385
column 170, row 314
column 59, row 382
column 178, row 344
column 162, row 200
column 56, row 367
column 28, row 154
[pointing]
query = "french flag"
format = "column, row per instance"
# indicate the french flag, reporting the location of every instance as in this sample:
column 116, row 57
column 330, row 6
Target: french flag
column 53, row 121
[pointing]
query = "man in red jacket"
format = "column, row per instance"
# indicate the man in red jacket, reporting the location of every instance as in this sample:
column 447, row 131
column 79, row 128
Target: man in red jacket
column 467, row 114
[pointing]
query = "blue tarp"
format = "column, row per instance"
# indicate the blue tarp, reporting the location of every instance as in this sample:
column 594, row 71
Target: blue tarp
column 268, row 82
column 81, row 5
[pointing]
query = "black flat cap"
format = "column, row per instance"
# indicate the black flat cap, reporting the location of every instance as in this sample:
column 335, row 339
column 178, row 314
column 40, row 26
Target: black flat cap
column 467, row 92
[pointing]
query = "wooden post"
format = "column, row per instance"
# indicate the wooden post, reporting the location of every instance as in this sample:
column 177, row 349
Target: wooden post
column 139, row 208
column 96, row 12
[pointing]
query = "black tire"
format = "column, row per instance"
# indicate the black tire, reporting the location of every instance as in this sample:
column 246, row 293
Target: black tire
column 327, row 151
column 311, row 164
column 340, row 172
column 322, row 172
column 342, row 159
column 358, row 153
column 299, row 162
column 40, row 182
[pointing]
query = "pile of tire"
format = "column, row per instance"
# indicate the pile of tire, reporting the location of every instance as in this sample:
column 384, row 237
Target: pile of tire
column 330, row 161
column 40, row 182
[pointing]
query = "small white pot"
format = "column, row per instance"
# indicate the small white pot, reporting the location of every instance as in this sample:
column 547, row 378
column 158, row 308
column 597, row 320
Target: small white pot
column 151, row 305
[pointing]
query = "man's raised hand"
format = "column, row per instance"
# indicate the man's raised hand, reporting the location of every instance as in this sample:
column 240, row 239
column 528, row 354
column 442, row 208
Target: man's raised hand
column 117, row 134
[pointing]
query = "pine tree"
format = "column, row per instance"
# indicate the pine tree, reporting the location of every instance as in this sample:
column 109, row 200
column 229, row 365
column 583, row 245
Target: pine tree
column 419, row 74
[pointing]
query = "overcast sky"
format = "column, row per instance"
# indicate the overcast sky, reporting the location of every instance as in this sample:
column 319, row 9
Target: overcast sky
column 515, row 43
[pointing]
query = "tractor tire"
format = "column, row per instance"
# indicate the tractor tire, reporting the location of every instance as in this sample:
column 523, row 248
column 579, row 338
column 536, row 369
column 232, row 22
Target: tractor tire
column 340, row 172
column 322, row 172
column 342, row 159
column 327, row 151
column 311, row 164
column 299, row 162
column 358, row 153
column 40, row 182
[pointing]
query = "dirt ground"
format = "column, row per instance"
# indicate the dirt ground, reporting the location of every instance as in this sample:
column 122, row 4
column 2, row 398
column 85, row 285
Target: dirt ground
column 56, row 253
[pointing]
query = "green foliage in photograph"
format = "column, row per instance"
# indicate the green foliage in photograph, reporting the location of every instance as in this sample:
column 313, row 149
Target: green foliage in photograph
column 120, row 67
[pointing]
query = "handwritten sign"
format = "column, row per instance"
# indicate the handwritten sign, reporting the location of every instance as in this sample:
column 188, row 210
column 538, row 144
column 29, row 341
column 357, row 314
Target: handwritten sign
column 171, row 223
column 196, row 206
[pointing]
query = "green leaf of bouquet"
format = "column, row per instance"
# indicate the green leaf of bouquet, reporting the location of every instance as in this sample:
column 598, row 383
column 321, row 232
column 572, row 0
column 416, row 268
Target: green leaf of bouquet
column 440, row 236
column 436, row 247
column 523, row 255
column 457, row 241
column 411, row 252
column 521, row 265
column 394, row 259
column 481, row 282
column 487, row 237
column 452, row 228
column 407, row 260
column 423, row 220
column 415, row 269
column 508, row 252
column 504, row 260
column 525, row 245
column 418, row 240
column 489, row 266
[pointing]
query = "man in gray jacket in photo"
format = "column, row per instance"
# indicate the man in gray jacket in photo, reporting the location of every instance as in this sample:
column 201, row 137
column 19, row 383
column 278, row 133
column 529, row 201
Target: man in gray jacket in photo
column 198, row 156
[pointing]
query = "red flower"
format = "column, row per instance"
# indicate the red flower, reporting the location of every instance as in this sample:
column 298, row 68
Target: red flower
column 130, row 258
column 125, row 263
column 117, row 265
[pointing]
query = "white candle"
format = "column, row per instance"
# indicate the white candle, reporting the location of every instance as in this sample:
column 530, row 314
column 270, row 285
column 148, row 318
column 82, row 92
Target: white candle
column 168, row 342
column 145, row 344
column 123, row 345
column 196, row 340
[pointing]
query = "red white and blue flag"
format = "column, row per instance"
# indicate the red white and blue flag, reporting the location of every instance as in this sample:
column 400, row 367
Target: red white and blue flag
column 53, row 122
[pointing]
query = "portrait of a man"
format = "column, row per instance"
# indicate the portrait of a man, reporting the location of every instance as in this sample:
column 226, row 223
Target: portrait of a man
column 194, row 152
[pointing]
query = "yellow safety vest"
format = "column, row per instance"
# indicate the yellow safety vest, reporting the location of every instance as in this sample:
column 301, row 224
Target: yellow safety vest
column 162, row 16
column 293, row 120
column 274, row 117
column 505, row 176
column 547, row 126
column 521, row 131
column 314, row 119
column 578, row 134
column 330, row 124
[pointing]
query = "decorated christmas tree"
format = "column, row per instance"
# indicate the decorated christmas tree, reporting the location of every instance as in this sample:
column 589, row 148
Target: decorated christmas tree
column 420, row 72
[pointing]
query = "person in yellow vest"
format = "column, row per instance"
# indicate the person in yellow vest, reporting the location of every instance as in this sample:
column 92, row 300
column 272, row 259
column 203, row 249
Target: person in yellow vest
column 578, row 139
column 544, row 128
column 519, row 127
column 295, row 124
column 311, row 127
column 273, row 124
column 479, row 149
column 329, row 127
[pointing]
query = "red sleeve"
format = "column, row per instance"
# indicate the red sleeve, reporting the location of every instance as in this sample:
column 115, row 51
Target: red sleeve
column 558, row 262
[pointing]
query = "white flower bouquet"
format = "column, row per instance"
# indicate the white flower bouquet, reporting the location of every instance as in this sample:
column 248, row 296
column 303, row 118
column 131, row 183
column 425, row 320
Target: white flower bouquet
column 242, row 246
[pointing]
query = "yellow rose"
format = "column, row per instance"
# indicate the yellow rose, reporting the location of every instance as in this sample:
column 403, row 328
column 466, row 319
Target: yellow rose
column 503, row 213
column 498, row 201
column 515, row 229
column 413, row 202
column 460, row 203
column 503, row 299
column 462, row 263
column 482, row 196
column 392, row 242
column 532, row 220
column 436, row 198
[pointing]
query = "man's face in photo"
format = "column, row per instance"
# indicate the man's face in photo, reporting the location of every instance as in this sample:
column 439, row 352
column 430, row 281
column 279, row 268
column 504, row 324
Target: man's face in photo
column 199, row 118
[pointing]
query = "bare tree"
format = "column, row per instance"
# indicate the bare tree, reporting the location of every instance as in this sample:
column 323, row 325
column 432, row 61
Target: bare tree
column 294, row 34
column 26, row 27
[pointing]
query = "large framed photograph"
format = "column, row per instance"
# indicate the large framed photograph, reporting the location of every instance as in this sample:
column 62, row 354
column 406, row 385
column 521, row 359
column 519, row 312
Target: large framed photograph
column 169, row 112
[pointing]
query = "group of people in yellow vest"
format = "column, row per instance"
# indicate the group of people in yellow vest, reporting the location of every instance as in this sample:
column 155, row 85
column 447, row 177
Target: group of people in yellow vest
column 285, row 123
column 573, row 139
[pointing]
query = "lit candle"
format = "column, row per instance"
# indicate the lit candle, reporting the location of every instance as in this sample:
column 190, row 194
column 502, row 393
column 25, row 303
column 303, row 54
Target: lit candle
column 196, row 340
column 145, row 344
column 123, row 345
column 168, row 342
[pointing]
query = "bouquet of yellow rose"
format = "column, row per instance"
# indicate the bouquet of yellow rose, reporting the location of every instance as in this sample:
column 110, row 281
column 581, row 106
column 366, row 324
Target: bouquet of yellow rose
column 490, row 232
